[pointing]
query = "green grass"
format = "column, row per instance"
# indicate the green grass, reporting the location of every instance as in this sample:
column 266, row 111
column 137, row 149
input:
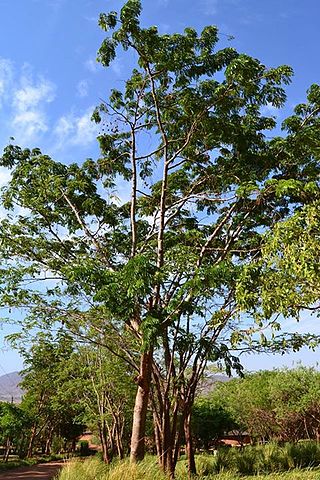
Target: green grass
column 292, row 475
column 94, row 469
column 270, row 458
column 14, row 462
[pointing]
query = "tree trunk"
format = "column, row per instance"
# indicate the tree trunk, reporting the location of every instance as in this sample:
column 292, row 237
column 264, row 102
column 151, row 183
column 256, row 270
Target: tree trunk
column 7, row 450
column 31, row 441
column 104, row 441
column 49, row 441
column 73, row 445
column 157, row 438
column 177, row 445
column 167, row 443
column 119, row 430
column 165, row 433
column 140, row 409
column 189, row 446
column 111, row 434
column 21, row 446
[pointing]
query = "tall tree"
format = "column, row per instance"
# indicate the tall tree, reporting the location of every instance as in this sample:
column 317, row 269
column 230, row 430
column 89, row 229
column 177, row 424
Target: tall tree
column 158, row 272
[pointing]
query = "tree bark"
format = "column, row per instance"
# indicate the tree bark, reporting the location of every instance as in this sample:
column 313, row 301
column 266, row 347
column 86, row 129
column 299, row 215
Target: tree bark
column 167, row 463
column 140, row 409
column 7, row 450
column 189, row 446
column 177, row 445
column 49, row 441
column 157, row 440
column 104, row 441
column 118, row 434
column 31, row 441
column 22, row 446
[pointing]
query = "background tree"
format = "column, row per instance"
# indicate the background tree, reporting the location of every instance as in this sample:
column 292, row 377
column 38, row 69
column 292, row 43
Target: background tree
column 103, row 387
column 13, row 423
column 210, row 421
column 71, row 386
column 281, row 405
column 51, row 410
column 156, row 277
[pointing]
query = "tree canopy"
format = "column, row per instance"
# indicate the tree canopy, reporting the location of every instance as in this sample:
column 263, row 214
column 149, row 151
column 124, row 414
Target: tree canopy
column 166, row 272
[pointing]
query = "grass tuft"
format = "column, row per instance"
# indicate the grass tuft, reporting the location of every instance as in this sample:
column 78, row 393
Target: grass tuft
column 269, row 462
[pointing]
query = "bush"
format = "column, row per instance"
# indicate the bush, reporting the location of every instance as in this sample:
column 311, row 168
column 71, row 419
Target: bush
column 83, row 447
column 57, row 445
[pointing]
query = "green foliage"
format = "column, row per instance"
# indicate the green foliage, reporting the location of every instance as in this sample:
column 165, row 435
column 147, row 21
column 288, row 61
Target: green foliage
column 280, row 404
column 102, row 386
column 47, row 403
column 176, row 268
column 209, row 422
column 286, row 274
column 14, row 422
column 152, row 263
column 68, row 386
column 14, row 464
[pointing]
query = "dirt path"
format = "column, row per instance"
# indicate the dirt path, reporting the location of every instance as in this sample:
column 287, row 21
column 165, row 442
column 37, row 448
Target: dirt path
column 42, row 471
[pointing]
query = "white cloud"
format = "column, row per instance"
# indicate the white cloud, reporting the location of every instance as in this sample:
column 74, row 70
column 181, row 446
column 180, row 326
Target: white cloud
column 25, row 99
column 82, row 88
column 31, row 95
column 269, row 109
column 92, row 18
column 92, row 65
column 117, row 67
column 55, row 4
column 307, row 324
column 251, row 18
column 28, row 125
column 4, row 176
column 6, row 73
column 75, row 130
column 29, row 118
column 209, row 7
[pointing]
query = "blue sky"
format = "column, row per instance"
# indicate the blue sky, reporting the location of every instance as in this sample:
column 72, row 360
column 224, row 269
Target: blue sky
column 50, row 81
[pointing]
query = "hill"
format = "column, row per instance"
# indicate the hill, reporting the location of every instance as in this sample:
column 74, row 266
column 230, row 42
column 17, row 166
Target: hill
column 209, row 383
column 9, row 387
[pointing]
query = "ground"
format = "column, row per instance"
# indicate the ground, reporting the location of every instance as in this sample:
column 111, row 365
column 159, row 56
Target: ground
column 42, row 471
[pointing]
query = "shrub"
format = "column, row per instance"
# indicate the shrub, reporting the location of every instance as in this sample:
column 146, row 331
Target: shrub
column 83, row 447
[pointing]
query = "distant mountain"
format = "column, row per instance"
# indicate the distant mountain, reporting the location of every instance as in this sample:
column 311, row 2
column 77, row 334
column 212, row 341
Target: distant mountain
column 9, row 387
column 209, row 383
column 10, row 390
